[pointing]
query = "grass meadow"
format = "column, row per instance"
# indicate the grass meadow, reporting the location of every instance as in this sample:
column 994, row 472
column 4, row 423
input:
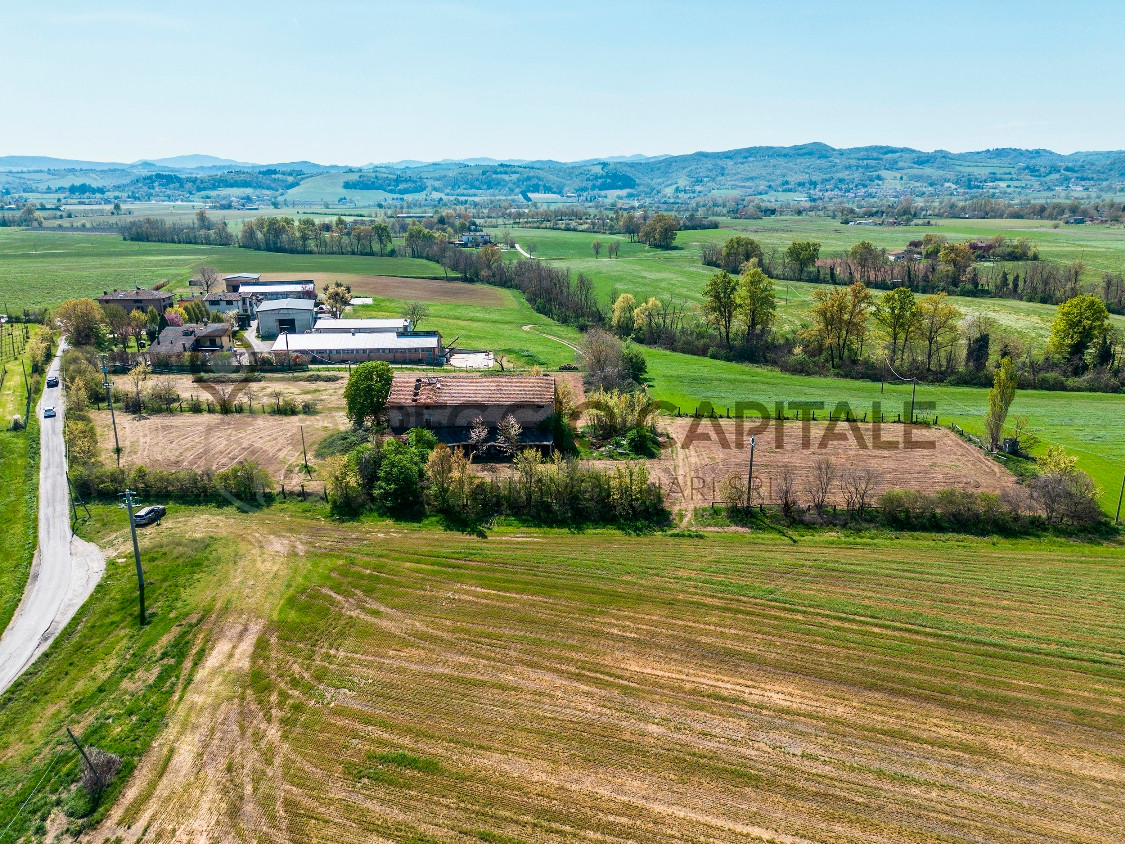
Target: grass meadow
column 19, row 490
column 678, row 273
column 383, row 680
column 40, row 269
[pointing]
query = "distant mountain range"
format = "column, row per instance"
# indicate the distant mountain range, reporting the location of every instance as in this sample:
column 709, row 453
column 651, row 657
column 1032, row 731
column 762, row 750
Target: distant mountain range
column 815, row 171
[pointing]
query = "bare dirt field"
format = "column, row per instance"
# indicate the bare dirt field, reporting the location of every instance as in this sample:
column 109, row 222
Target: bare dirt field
column 394, row 287
column 214, row 441
column 707, row 451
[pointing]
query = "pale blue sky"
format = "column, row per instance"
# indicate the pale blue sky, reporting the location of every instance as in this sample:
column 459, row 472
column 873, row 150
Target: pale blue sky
column 353, row 82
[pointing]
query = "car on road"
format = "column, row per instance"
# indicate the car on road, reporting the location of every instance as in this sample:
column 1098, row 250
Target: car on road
column 48, row 413
column 53, row 381
column 148, row 515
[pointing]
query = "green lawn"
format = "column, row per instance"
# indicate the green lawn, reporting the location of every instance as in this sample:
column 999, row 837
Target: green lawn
column 496, row 329
column 44, row 268
column 109, row 681
column 1087, row 424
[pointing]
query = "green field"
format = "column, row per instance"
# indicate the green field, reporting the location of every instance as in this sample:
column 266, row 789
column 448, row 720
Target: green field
column 496, row 329
column 40, row 269
column 19, row 490
column 678, row 274
column 386, row 681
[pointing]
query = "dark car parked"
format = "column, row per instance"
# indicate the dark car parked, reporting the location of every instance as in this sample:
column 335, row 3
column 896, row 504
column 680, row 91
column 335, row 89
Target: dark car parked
column 148, row 515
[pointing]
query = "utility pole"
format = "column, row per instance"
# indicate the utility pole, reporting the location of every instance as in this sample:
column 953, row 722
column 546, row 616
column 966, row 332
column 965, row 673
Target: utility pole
column 304, row 453
column 750, row 479
column 1117, row 518
column 128, row 496
column 109, row 401
column 96, row 773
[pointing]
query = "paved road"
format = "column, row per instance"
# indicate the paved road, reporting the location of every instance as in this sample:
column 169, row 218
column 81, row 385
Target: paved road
column 522, row 252
column 65, row 569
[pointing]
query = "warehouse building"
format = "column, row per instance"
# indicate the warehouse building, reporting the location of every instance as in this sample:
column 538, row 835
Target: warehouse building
column 423, row 347
column 285, row 316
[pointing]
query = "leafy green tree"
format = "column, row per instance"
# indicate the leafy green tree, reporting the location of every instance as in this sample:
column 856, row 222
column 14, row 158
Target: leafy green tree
column 957, row 255
column 867, row 256
column 1000, row 399
column 896, row 313
column 337, row 296
column 660, row 231
column 839, row 323
column 82, row 321
column 416, row 312
column 597, row 247
column 399, row 488
column 1081, row 324
column 622, row 318
column 720, row 303
column 802, row 254
column 381, row 234
column 755, row 301
column 367, row 391
column 737, row 251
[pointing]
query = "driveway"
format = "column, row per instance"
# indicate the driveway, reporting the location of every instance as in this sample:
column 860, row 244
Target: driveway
column 65, row 569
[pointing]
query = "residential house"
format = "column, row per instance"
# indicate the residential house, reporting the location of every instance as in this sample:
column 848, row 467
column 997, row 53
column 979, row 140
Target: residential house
column 199, row 338
column 137, row 299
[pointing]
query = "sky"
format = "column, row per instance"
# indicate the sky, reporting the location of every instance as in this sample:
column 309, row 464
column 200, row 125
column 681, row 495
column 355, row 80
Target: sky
column 358, row 82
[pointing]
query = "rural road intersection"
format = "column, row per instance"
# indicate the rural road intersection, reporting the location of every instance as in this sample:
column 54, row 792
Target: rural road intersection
column 65, row 569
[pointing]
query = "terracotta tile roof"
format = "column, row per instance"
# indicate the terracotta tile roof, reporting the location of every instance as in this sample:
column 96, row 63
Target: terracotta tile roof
column 452, row 390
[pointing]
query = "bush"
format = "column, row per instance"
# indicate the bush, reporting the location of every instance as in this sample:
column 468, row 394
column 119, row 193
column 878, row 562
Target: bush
column 642, row 442
column 341, row 442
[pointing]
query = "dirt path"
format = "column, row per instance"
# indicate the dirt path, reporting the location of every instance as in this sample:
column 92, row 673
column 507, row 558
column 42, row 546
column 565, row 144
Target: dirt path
column 534, row 330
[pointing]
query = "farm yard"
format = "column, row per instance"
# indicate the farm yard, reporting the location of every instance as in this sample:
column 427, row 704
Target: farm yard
column 408, row 684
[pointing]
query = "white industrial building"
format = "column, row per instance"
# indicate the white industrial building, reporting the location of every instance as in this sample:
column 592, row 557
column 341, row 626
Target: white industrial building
column 361, row 326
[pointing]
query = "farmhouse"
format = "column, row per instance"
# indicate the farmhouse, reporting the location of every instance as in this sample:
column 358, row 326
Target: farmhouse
column 203, row 338
column 360, row 326
column 137, row 299
column 285, row 316
column 475, row 239
column 448, row 405
column 423, row 347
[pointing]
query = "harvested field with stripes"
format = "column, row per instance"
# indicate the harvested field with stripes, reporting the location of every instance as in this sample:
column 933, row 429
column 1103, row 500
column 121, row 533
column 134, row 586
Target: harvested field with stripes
column 415, row 685
column 708, row 451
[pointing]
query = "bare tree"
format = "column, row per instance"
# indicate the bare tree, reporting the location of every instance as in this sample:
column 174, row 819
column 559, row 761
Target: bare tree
column 858, row 485
column 819, row 484
column 138, row 375
column 597, row 247
column 508, row 435
column 478, row 433
column 785, row 489
column 208, row 277
column 612, row 249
